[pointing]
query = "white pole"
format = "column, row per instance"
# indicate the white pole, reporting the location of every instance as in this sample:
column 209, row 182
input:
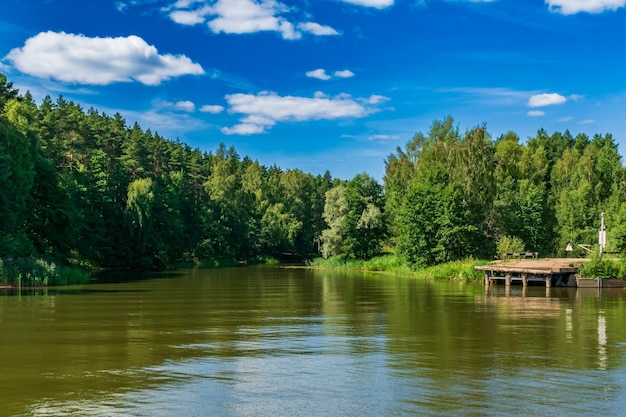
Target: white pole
column 602, row 235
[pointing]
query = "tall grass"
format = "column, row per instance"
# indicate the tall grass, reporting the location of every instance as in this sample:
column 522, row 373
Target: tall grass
column 601, row 266
column 29, row 272
column 456, row 270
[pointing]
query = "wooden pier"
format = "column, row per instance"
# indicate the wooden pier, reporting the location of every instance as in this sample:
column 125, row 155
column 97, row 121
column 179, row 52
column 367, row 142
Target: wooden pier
column 560, row 272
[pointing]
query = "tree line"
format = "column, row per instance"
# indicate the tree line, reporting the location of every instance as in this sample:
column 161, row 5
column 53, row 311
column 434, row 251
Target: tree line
column 82, row 187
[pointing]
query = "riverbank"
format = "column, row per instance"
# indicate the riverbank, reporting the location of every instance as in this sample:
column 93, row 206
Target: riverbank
column 36, row 272
column 455, row 270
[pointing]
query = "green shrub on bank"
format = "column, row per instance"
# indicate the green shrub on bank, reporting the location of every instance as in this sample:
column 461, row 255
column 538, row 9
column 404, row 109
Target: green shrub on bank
column 600, row 266
column 456, row 270
column 29, row 272
column 509, row 244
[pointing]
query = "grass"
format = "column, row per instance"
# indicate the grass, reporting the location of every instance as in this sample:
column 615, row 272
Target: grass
column 602, row 266
column 32, row 272
column 455, row 270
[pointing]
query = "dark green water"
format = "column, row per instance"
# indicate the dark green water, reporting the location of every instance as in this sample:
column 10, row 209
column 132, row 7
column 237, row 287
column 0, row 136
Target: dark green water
column 269, row 341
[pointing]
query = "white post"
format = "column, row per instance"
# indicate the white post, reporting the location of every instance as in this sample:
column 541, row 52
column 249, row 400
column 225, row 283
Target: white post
column 602, row 235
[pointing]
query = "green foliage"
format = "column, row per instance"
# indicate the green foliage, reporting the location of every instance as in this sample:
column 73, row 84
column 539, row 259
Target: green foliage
column 354, row 214
column 510, row 244
column 227, row 262
column 388, row 263
column 455, row 270
column 83, row 188
column 30, row 272
column 601, row 266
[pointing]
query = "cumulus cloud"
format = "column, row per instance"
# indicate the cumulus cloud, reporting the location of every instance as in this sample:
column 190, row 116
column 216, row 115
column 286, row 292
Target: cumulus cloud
column 212, row 108
column 376, row 99
column 79, row 59
column 264, row 110
column 344, row 74
column 248, row 16
column 244, row 16
column 188, row 17
column 185, row 105
column 536, row 113
column 546, row 99
column 568, row 7
column 321, row 74
column 377, row 4
column 317, row 29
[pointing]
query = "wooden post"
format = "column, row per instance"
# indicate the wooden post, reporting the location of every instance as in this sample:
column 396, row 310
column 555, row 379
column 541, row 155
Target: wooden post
column 548, row 281
column 507, row 279
column 487, row 279
column 524, row 279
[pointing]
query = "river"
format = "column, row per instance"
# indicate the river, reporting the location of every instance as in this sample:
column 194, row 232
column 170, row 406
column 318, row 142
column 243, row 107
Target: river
column 280, row 341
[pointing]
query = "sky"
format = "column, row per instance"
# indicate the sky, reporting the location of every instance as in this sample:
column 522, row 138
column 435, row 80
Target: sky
column 322, row 85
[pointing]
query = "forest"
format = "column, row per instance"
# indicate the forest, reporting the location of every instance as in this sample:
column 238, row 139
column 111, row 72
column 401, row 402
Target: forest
column 84, row 189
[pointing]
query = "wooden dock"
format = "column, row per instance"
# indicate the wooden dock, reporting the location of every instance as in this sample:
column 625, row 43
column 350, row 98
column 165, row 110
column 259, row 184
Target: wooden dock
column 559, row 272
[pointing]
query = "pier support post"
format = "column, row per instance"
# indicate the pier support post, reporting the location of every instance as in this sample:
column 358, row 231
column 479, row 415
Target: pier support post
column 487, row 281
column 548, row 281
column 524, row 279
column 507, row 279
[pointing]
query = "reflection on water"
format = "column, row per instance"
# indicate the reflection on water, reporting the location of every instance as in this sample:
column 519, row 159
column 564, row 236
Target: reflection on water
column 287, row 342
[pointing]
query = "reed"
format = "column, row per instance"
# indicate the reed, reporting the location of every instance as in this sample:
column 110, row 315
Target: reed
column 31, row 272
column 454, row 270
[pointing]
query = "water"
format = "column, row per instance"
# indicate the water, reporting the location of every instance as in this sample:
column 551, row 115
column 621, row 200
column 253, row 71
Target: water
column 269, row 341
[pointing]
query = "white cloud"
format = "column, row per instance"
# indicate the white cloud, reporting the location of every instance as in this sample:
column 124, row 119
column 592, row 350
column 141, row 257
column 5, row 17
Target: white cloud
column 540, row 100
column 244, row 129
column 212, row 108
column 319, row 73
column 244, row 16
column 587, row 122
column 248, row 16
column 317, row 29
column 565, row 119
column 383, row 137
column 376, row 99
column 344, row 74
column 98, row 61
column 265, row 109
column 536, row 113
column 568, row 7
column 377, row 4
column 188, row 17
column 186, row 105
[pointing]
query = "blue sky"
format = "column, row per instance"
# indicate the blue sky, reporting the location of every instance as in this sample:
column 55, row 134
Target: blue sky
column 326, row 84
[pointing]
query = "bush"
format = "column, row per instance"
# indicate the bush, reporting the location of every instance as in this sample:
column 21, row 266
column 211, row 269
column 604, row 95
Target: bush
column 508, row 244
column 29, row 272
column 602, row 267
column 455, row 270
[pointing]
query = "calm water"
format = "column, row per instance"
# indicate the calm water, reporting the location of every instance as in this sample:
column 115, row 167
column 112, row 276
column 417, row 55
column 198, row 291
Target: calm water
column 269, row 341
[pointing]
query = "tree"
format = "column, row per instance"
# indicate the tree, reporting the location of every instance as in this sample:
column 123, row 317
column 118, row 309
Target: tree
column 139, row 210
column 434, row 225
column 355, row 216
column 335, row 210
